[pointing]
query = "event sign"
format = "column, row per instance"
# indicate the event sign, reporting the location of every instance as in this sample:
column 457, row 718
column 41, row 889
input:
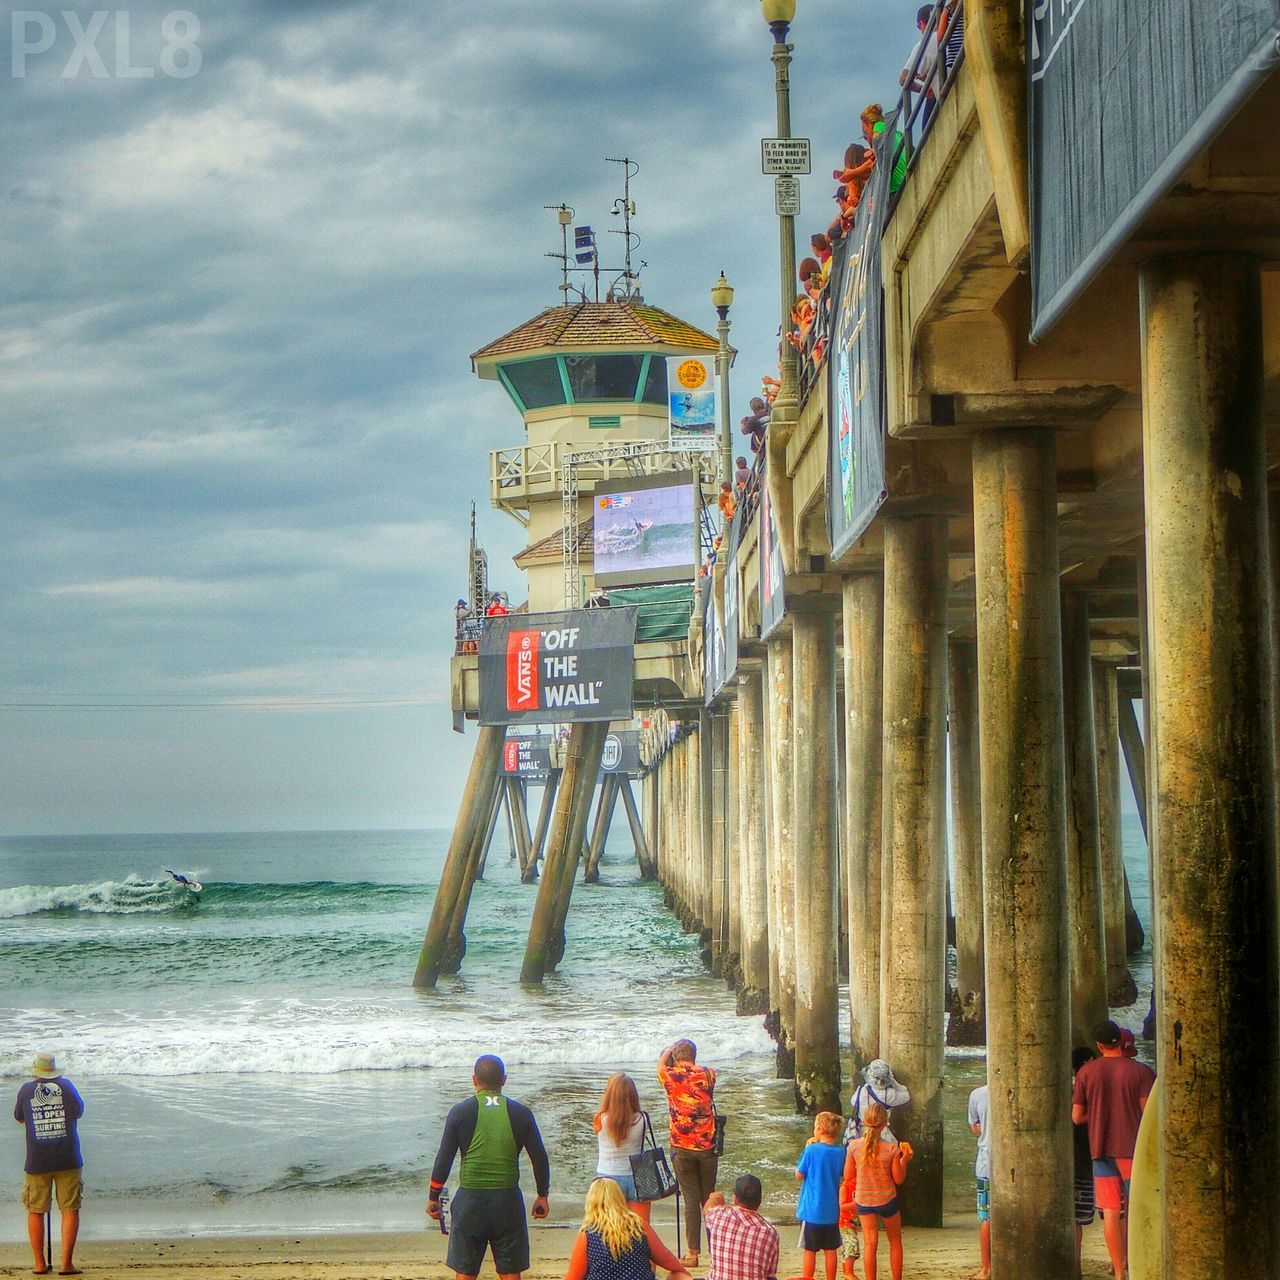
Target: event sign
column 557, row 668
column 691, row 395
column 856, row 411
column 712, row 644
column 1123, row 96
column 621, row 753
column 772, row 603
column 527, row 755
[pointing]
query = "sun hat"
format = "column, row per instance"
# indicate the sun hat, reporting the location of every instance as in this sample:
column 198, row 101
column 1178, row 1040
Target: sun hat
column 44, row 1066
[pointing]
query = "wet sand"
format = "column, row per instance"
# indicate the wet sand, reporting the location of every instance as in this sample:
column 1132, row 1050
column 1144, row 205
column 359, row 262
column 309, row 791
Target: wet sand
column 946, row 1254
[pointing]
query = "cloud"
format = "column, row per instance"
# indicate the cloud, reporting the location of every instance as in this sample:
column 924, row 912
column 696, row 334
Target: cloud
column 241, row 432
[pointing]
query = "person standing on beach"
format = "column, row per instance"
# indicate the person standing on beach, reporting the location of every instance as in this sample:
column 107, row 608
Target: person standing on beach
column 49, row 1107
column 619, row 1126
column 979, row 1123
column 819, row 1171
column 490, row 1131
column 1109, row 1096
column 690, row 1089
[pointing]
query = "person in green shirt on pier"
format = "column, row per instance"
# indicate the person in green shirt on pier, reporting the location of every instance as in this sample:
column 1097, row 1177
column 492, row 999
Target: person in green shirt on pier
column 489, row 1130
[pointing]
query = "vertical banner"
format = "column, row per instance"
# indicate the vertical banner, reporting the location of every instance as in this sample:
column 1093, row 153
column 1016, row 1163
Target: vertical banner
column 1122, row 97
column 557, row 668
column 691, row 396
column 713, row 676
column 772, row 603
column 856, row 413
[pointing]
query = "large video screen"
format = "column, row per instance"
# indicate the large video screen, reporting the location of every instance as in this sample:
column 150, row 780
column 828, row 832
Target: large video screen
column 645, row 530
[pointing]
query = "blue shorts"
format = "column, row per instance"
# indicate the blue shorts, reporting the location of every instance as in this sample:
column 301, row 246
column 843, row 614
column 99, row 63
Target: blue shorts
column 625, row 1181
column 877, row 1210
column 984, row 1199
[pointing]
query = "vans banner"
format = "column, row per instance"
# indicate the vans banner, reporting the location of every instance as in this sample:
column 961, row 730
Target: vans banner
column 557, row 668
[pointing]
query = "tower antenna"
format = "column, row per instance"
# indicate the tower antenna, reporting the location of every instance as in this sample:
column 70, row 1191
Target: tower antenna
column 626, row 207
column 564, row 216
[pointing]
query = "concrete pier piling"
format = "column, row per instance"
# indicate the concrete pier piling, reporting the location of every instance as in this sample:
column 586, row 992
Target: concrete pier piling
column 639, row 837
column 1210, row 602
column 568, row 826
column 1121, row 988
column 779, row 667
column 863, row 617
column 473, row 814
column 913, row 937
column 968, row 1023
column 1084, row 853
column 815, row 862
column 753, row 989
column 1024, row 851
column 530, row 874
column 732, row 850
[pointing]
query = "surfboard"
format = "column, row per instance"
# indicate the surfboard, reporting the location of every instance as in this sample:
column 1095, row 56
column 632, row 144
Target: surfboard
column 1146, row 1189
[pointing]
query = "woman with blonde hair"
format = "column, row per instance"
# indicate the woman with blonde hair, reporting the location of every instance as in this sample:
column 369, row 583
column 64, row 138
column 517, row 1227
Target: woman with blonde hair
column 877, row 1165
column 615, row 1243
column 619, row 1126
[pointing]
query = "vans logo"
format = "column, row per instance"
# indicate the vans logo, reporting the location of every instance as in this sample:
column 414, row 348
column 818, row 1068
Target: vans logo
column 522, row 671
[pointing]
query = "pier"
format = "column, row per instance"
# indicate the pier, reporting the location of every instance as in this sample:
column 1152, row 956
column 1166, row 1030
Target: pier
column 1049, row 498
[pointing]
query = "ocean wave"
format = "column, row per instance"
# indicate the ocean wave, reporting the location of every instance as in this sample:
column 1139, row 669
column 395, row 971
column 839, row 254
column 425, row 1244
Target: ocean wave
column 138, row 895
column 338, row 1042
column 131, row 896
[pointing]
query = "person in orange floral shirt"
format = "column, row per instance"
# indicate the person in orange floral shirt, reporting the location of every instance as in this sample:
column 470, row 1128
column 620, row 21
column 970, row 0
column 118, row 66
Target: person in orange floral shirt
column 693, row 1133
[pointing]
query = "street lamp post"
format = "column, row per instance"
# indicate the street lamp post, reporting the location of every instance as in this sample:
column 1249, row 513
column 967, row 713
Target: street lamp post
column 722, row 300
column 779, row 14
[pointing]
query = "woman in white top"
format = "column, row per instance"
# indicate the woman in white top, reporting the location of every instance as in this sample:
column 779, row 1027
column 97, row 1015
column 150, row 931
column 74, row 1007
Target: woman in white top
column 619, row 1126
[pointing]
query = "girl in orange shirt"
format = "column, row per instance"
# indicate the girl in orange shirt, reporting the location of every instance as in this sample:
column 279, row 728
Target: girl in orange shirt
column 878, row 1168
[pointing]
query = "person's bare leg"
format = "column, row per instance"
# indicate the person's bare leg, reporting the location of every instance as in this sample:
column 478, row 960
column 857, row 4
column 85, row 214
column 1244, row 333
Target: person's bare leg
column 870, row 1239
column 642, row 1208
column 984, row 1252
column 1113, row 1229
column 1079, row 1246
column 35, row 1233
column 893, row 1229
column 831, row 1264
column 70, row 1229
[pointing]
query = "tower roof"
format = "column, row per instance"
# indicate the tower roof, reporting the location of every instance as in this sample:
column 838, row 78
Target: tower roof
column 597, row 326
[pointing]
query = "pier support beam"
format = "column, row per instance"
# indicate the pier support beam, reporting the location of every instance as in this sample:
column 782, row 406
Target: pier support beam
column 782, row 843
column 600, row 831
column 1024, row 851
column 1135, row 763
column 733, row 849
column 1121, row 988
column 549, row 789
column 1210, row 600
column 1084, row 854
column 473, row 817
column 753, row 989
column 816, row 852
column 913, row 942
column 715, row 771
column 568, row 826
column 639, row 840
column 968, row 1024
column 863, row 607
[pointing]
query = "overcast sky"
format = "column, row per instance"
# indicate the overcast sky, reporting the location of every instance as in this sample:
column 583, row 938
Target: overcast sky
column 241, row 433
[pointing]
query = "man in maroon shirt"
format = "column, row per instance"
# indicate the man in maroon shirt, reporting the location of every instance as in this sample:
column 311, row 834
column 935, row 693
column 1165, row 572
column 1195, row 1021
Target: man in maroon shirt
column 1109, row 1097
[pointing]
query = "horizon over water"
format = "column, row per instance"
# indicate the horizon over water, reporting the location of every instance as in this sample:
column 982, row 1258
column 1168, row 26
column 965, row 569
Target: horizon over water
column 254, row 1059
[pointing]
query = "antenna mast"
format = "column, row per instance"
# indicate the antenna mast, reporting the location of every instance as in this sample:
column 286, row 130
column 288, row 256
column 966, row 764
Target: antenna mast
column 627, row 208
column 564, row 216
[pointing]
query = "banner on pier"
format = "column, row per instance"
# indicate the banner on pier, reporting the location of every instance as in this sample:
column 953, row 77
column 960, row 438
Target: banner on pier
column 1122, row 98
column 526, row 755
column 691, row 396
column 557, row 668
column 621, row 754
column 712, row 642
column 856, row 411
column 772, row 603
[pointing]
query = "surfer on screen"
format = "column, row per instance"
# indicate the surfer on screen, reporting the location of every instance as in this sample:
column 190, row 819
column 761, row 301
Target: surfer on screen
column 179, row 878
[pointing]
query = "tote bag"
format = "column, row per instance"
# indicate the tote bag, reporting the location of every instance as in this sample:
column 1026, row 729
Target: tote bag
column 653, row 1177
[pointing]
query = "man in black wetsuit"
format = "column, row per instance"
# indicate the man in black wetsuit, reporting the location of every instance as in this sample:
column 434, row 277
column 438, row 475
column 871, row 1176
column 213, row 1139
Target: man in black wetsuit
column 490, row 1131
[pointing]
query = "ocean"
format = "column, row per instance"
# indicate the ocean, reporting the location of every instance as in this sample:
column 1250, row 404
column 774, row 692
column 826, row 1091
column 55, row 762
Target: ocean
column 254, row 1060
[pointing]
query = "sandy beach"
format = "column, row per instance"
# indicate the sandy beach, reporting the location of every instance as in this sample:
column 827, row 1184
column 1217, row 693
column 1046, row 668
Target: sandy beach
column 946, row 1254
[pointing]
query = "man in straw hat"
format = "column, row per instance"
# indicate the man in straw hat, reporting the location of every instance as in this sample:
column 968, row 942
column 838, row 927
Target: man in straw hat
column 49, row 1107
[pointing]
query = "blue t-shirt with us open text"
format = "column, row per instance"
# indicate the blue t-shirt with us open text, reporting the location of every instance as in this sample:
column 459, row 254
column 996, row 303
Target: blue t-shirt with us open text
column 822, row 1164
column 49, row 1109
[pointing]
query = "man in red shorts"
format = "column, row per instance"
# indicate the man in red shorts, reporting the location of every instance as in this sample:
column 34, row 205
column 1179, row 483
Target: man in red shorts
column 1110, row 1094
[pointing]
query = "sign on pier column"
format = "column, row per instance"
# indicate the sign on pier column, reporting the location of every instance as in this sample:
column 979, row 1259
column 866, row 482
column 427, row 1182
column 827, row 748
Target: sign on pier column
column 558, row 668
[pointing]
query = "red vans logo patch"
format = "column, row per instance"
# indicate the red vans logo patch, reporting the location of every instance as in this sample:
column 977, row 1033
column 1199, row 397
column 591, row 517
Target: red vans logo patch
column 522, row 671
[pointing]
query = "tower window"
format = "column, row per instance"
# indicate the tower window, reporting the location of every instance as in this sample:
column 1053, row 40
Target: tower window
column 597, row 377
column 536, row 382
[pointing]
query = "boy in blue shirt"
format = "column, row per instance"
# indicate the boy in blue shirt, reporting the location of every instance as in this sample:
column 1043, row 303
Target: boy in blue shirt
column 820, row 1169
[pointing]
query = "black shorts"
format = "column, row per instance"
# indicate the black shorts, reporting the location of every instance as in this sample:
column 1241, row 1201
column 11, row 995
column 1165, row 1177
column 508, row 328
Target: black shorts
column 479, row 1220
column 820, row 1236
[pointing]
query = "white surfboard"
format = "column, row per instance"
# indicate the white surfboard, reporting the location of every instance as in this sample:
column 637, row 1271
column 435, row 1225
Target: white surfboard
column 1146, row 1190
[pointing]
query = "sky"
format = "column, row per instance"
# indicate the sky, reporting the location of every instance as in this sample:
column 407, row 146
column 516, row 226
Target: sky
column 245, row 252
